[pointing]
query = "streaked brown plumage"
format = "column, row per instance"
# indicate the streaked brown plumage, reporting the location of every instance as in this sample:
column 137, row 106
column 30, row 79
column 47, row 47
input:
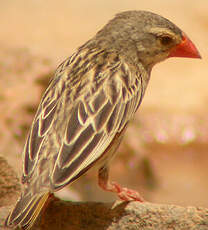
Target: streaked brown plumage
column 88, row 105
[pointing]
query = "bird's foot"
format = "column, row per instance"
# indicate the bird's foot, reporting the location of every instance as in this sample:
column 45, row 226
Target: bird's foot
column 127, row 194
column 123, row 193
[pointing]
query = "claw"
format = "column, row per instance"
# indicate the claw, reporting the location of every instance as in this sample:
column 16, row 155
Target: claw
column 123, row 193
column 128, row 194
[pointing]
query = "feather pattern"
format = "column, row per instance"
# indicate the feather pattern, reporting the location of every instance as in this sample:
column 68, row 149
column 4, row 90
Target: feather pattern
column 105, row 113
column 87, row 103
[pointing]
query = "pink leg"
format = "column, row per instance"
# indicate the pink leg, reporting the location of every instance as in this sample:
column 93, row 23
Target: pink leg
column 123, row 193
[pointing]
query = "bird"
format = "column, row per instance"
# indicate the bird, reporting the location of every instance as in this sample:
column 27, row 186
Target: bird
column 88, row 105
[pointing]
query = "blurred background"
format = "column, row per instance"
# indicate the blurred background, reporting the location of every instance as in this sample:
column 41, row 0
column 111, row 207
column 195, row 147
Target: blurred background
column 165, row 151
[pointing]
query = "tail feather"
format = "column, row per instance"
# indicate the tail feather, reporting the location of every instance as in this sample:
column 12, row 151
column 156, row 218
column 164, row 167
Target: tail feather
column 26, row 210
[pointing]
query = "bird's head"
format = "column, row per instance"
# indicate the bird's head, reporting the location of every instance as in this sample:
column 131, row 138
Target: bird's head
column 146, row 37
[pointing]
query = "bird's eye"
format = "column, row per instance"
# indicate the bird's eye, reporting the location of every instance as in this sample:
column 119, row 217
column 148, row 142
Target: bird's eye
column 166, row 40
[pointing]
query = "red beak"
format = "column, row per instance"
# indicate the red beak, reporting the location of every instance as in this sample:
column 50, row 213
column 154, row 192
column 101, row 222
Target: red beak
column 185, row 49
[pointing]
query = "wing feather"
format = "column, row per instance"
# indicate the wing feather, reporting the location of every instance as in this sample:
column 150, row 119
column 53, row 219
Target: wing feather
column 41, row 125
column 94, row 107
column 88, row 138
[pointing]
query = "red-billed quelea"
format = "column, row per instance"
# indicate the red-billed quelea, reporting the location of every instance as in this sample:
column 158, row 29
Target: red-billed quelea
column 88, row 105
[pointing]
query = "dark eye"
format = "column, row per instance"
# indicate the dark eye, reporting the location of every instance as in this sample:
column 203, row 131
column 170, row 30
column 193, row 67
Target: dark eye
column 166, row 40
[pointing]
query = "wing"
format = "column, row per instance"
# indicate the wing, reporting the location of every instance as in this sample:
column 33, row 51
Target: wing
column 43, row 121
column 96, row 118
column 83, row 109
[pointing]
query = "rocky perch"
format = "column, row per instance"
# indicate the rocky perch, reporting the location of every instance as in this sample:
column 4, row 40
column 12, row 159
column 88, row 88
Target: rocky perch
column 65, row 215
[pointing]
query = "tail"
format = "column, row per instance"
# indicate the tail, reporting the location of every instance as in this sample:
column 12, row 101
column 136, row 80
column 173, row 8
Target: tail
column 26, row 210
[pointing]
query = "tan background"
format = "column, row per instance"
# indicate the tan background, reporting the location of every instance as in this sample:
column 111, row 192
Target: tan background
column 166, row 144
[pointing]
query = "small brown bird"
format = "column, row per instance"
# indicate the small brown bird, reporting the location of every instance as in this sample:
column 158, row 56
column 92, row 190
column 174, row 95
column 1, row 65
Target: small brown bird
column 88, row 105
